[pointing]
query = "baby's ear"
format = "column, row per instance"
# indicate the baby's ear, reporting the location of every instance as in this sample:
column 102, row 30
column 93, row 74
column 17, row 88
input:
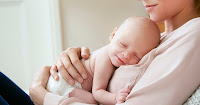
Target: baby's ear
column 113, row 34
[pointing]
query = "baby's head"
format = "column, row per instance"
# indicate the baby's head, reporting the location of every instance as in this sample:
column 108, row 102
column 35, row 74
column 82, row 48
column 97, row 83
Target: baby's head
column 135, row 37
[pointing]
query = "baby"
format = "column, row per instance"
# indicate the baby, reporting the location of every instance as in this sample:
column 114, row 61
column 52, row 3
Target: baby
column 128, row 44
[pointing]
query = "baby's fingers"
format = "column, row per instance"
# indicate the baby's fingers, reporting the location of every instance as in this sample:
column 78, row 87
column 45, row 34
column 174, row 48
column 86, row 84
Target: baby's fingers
column 124, row 94
column 125, row 90
column 121, row 99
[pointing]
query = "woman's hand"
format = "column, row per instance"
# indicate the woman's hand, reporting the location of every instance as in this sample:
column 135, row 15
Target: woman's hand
column 37, row 89
column 70, row 66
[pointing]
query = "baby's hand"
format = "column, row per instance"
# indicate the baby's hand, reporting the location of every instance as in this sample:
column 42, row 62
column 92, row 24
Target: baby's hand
column 122, row 94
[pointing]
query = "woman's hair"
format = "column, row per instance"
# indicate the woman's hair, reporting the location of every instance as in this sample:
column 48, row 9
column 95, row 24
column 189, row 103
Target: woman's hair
column 197, row 6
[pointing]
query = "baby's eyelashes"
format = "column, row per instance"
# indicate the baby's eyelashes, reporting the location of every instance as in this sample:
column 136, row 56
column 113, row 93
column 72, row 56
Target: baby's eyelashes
column 122, row 44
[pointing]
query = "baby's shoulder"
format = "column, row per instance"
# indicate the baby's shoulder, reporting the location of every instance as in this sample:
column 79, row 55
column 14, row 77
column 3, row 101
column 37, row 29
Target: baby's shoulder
column 100, row 56
column 96, row 57
column 100, row 51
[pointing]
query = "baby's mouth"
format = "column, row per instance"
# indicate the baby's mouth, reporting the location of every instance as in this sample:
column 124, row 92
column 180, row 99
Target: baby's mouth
column 120, row 60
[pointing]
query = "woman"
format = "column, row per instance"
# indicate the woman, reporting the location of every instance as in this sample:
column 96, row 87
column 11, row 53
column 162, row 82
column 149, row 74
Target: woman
column 168, row 75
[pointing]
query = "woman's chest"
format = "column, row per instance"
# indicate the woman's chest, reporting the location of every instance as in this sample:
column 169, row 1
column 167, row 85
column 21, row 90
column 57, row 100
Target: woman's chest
column 129, row 75
column 123, row 77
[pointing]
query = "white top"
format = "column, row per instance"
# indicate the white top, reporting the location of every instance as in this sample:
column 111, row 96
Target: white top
column 167, row 75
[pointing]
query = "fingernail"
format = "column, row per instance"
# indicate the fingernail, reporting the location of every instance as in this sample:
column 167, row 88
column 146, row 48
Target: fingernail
column 85, row 55
column 71, row 82
column 80, row 80
column 56, row 78
column 84, row 76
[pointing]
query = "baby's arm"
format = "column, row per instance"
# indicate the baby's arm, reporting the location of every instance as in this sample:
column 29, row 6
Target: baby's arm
column 102, row 74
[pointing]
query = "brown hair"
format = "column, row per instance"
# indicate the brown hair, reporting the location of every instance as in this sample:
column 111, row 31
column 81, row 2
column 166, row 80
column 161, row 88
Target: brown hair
column 197, row 5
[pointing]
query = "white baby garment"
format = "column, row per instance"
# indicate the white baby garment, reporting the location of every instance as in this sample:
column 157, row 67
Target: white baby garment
column 60, row 87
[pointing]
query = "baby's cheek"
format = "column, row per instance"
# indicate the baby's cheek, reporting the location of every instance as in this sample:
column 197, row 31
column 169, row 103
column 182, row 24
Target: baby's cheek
column 133, row 61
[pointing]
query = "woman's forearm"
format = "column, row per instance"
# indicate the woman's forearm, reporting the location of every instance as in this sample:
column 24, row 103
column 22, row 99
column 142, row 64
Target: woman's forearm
column 37, row 89
column 37, row 93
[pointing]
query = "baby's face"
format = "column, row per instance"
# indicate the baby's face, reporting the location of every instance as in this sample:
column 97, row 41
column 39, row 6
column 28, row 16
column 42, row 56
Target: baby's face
column 129, row 45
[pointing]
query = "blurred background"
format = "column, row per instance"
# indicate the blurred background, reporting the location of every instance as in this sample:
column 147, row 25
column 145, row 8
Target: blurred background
column 34, row 32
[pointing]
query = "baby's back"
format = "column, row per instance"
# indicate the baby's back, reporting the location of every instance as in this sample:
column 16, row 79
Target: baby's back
column 90, row 67
column 88, row 64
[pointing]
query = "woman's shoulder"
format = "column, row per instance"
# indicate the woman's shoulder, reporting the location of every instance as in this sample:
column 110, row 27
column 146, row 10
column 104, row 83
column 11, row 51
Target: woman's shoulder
column 190, row 27
column 186, row 36
column 190, row 30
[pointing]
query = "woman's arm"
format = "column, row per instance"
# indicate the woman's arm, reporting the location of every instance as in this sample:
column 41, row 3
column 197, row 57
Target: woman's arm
column 40, row 96
column 37, row 89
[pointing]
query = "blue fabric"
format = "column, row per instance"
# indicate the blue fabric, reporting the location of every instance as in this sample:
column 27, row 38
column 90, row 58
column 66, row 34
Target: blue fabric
column 3, row 101
column 11, row 93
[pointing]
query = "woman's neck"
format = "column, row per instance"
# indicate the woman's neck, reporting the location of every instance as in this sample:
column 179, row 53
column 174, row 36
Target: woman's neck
column 179, row 19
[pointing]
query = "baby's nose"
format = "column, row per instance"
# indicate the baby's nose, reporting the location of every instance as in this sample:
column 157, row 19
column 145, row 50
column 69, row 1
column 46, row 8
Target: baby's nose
column 126, row 55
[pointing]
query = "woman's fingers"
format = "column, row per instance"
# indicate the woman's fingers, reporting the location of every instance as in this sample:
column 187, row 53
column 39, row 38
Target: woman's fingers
column 53, row 72
column 70, row 66
column 77, row 65
column 72, row 71
column 43, row 74
column 68, row 58
column 63, row 72
column 41, row 77
column 85, row 52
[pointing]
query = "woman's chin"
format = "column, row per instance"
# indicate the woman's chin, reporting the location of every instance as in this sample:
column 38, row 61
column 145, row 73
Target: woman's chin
column 157, row 19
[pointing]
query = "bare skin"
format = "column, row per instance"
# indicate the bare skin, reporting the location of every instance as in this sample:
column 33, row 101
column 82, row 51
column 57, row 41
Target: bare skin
column 128, row 45
column 64, row 63
column 173, row 18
